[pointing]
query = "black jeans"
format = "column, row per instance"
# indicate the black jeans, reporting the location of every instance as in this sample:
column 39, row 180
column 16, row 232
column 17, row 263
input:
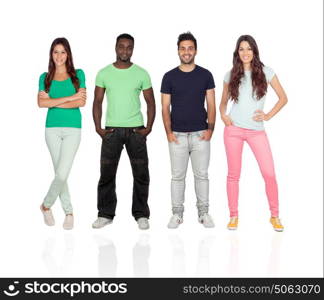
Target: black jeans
column 112, row 146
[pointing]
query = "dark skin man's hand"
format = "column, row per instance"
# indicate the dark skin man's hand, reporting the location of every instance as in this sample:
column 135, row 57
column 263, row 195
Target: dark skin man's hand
column 103, row 132
column 144, row 131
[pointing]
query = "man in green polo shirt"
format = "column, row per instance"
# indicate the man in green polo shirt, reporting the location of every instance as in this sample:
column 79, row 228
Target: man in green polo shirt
column 123, row 82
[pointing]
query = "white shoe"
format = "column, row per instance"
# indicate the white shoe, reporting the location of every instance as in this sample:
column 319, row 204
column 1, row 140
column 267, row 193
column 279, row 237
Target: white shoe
column 68, row 222
column 143, row 223
column 206, row 220
column 175, row 221
column 101, row 222
column 48, row 216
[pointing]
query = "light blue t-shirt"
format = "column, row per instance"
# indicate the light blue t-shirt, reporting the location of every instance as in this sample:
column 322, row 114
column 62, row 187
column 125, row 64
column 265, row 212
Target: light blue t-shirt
column 243, row 110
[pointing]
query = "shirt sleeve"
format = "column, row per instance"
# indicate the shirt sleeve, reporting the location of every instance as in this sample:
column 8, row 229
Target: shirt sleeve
column 99, row 80
column 227, row 77
column 41, row 83
column 269, row 73
column 166, row 85
column 210, row 82
column 146, row 81
column 81, row 77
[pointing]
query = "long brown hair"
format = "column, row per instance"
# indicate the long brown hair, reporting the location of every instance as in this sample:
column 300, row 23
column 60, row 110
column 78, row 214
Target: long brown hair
column 69, row 64
column 259, row 82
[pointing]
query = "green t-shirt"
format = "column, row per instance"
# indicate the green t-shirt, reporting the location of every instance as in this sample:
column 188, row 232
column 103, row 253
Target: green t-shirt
column 123, row 88
column 63, row 117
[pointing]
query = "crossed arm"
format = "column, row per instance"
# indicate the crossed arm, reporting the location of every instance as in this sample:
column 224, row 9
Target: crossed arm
column 76, row 100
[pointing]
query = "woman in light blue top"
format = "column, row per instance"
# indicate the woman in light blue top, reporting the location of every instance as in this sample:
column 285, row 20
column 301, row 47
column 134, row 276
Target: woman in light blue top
column 246, row 85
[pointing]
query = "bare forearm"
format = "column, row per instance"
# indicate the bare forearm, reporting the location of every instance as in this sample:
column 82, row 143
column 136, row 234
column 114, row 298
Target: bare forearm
column 275, row 84
column 97, row 114
column 211, row 116
column 224, row 100
column 52, row 102
column 72, row 104
column 278, row 106
column 166, row 120
column 150, row 115
column 150, row 102
column 222, row 108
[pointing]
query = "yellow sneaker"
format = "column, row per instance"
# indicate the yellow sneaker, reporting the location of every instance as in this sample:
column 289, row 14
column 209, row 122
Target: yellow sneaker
column 232, row 225
column 277, row 226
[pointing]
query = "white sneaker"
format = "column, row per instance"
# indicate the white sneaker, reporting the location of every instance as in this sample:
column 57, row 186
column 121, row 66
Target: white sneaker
column 101, row 222
column 206, row 220
column 175, row 221
column 48, row 216
column 143, row 223
column 68, row 222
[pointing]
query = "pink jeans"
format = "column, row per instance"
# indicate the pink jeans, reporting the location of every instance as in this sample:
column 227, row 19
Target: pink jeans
column 234, row 138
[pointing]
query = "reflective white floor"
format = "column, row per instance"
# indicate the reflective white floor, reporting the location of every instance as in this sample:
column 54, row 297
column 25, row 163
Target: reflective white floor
column 190, row 251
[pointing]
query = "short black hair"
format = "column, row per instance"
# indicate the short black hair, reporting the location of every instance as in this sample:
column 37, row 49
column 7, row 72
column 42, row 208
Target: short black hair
column 124, row 36
column 187, row 36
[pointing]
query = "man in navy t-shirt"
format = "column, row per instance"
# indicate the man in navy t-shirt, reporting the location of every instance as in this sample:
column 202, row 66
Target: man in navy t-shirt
column 189, row 127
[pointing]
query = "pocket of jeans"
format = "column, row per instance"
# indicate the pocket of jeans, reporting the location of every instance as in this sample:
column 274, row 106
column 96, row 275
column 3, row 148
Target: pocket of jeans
column 140, row 137
column 200, row 134
column 176, row 135
column 109, row 133
column 228, row 127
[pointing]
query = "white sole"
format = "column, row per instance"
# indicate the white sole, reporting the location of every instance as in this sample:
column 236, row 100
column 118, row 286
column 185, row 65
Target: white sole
column 229, row 228
column 175, row 226
column 99, row 226
column 67, row 228
column 49, row 224
column 178, row 224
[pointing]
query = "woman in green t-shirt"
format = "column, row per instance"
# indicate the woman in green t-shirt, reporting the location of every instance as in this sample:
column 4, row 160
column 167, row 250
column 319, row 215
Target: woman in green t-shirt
column 62, row 90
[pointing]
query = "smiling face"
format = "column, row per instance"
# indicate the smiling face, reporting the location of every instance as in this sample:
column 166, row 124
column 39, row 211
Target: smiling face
column 187, row 52
column 59, row 55
column 245, row 52
column 124, row 50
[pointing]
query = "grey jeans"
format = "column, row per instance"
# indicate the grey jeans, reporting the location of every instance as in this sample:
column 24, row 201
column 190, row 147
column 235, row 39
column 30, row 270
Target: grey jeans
column 189, row 145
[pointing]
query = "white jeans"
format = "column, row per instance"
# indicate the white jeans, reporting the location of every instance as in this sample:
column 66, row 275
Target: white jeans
column 189, row 145
column 63, row 143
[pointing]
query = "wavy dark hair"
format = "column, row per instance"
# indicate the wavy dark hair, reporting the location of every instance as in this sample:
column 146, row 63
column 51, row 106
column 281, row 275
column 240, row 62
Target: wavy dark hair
column 69, row 64
column 259, row 82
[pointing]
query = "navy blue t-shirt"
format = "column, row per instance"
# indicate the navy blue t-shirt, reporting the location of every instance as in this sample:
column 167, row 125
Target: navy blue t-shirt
column 188, row 91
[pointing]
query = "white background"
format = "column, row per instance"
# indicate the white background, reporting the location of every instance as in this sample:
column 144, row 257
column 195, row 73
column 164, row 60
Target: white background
column 290, row 39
